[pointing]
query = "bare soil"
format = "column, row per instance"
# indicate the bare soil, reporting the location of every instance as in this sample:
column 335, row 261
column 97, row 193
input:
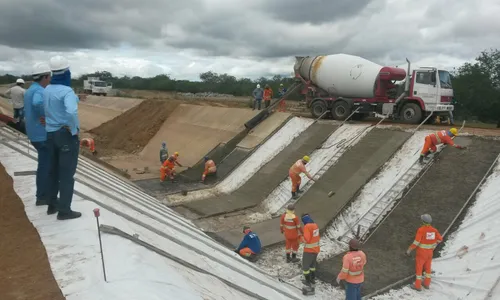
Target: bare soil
column 25, row 271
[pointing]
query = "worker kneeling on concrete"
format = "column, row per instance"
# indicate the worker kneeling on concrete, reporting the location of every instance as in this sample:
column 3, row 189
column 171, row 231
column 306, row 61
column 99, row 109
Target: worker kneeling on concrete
column 210, row 168
column 311, row 249
column 295, row 170
column 88, row 143
column 352, row 272
column 168, row 168
column 438, row 138
column 290, row 226
column 426, row 240
column 250, row 247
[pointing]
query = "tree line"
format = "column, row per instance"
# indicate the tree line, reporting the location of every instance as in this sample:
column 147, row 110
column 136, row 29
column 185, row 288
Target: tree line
column 476, row 85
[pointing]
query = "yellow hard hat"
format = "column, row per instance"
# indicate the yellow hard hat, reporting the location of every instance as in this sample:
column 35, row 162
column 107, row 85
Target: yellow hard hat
column 176, row 153
column 306, row 158
column 454, row 131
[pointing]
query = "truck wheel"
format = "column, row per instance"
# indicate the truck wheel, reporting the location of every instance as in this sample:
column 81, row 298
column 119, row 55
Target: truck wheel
column 411, row 113
column 104, row 94
column 318, row 108
column 341, row 110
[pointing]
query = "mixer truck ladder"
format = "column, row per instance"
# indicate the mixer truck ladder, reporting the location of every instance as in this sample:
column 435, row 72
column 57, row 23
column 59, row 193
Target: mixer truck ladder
column 280, row 102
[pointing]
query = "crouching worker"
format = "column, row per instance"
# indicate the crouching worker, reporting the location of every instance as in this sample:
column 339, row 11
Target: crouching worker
column 250, row 247
column 210, row 168
column 88, row 143
column 438, row 138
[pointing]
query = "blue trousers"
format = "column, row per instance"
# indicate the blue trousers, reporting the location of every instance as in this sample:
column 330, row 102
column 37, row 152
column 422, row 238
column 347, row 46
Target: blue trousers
column 257, row 103
column 63, row 151
column 19, row 113
column 352, row 291
column 42, row 170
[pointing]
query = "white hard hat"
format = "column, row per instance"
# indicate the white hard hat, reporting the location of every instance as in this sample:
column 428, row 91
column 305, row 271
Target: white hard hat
column 258, row 85
column 40, row 69
column 59, row 64
column 20, row 80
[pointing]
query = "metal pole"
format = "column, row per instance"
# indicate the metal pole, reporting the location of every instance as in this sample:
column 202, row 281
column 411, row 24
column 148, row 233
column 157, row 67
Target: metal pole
column 97, row 214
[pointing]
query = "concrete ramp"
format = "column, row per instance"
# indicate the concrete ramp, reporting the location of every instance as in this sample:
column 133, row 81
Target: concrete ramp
column 345, row 178
column 263, row 130
column 92, row 117
column 194, row 130
column 114, row 103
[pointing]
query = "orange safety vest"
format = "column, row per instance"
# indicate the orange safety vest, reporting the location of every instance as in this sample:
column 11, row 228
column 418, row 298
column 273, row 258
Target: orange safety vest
column 268, row 94
column 168, row 164
column 441, row 137
column 353, row 264
column 426, row 239
column 290, row 225
column 311, row 237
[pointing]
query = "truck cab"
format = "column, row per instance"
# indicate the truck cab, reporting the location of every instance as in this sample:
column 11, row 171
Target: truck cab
column 95, row 86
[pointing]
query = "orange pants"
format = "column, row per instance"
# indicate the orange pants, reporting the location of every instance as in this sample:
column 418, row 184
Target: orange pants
column 292, row 245
column 428, row 145
column 166, row 171
column 423, row 262
column 296, row 180
column 246, row 252
column 282, row 106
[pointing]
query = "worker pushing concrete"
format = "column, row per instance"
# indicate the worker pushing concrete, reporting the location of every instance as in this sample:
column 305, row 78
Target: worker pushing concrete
column 295, row 170
column 163, row 152
column 291, row 228
column 310, row 254
column 88, row 143
column 250, row 246
column 167, row 169
column 210, row 168
column 438, row 138
column 426, row 240
column 352, row 271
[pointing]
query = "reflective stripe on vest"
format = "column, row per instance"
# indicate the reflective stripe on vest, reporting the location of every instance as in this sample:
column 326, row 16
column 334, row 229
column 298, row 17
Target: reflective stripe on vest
column 355, row 273
column 291, row 227
column 311, row 245
column 438, row 139
column 424, row 246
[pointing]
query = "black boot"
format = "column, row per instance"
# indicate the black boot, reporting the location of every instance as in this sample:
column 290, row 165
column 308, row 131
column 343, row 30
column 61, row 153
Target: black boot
column 294, row 258
column 298, row 189
column 68, row 216
column 313, row 277
column 288, row 258
column 421, row 159
column 307, row 279
column 294, row 195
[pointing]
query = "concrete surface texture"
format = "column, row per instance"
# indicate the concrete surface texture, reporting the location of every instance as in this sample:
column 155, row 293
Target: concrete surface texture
column 195, row 130
column 345, row 178
column 114, row 103
column 263, row 130
column 441, row 192
column 92, row 117
column 267, row 178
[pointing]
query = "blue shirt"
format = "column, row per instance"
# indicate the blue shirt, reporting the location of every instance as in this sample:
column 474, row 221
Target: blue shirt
column 33, row 110
column 61, row 108
column 252, row 241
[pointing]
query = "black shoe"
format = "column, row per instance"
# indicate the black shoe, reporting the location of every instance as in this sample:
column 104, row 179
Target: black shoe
column 41, row 202
column 294, row 195
column 421, row 159
column 51, row 209
column 313, row 277
column 307, row 279
column 294, row 258
column 69, row 216
column 288, row 258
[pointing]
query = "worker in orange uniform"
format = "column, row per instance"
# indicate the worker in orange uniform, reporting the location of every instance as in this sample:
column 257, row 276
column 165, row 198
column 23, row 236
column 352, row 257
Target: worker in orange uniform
column 210, row 168
column 438, row 138
column 426, row 240
column 311, row 249
column 89, row 143
column 352, row 271
column 168, row 167
column 294, row 173
column 268, row 95
column 290, row 226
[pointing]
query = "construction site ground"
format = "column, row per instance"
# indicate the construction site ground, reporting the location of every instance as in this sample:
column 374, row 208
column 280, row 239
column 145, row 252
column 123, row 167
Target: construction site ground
column 26, row 272
column 354, row 168
column 441, row 192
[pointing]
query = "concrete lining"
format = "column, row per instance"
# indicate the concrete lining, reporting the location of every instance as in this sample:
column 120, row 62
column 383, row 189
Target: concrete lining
column 267, row 178
column 345, row 178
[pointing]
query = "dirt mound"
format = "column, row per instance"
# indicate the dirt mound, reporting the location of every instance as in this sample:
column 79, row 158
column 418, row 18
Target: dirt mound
column 26, row 272
column 132, row 130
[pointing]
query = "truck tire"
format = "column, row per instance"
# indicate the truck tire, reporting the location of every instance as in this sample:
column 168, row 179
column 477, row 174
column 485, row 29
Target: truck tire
column 341, row 110
column 318, row 108
column 104, row 94
column 411, row 113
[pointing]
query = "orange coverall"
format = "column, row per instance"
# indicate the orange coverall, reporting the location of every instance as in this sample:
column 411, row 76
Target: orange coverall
column 438, row 138
column 290, row 226
column 88, row 142
column 353, row 264
column 168, row 168
column 311, row 240
column 294, row 173
column 425, row 242
column 268, row 94
column 209, row 168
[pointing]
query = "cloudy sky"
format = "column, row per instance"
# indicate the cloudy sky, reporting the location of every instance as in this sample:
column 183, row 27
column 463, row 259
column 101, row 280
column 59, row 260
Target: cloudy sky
column 243, row 38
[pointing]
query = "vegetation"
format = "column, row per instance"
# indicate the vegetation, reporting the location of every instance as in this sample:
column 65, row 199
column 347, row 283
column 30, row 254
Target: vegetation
column 476, row 85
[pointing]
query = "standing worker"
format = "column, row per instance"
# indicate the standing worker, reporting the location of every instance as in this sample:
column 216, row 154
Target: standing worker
column 16, row 96
column 250, row 246
column 210, row 168
column 295, row 170
column 426, row 240
column 352, row 272
column 258, row 94
column 168, row 168
column 163, row 152
column 268, row 95
column 291, row 228
column 438, row 138
column 281, row 90
column 89, row 143
column 311, row 249
column 35, row 127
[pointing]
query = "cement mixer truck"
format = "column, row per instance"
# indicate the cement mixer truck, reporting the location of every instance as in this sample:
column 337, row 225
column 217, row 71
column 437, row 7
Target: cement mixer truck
column 342, row 83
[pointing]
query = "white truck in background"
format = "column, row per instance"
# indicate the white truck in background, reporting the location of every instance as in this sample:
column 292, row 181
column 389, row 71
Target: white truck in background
column 96, row 86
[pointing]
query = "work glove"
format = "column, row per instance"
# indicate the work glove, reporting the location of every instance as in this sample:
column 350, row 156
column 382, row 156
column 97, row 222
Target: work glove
column 338, row 280
column 408, row 252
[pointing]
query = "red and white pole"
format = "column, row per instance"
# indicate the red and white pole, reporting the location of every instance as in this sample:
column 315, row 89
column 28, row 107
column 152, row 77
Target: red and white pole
column 97, row 214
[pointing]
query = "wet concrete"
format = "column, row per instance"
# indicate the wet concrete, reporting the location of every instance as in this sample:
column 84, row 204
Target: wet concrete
column 441, row 192
column 267, row 178
column 353, row 170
